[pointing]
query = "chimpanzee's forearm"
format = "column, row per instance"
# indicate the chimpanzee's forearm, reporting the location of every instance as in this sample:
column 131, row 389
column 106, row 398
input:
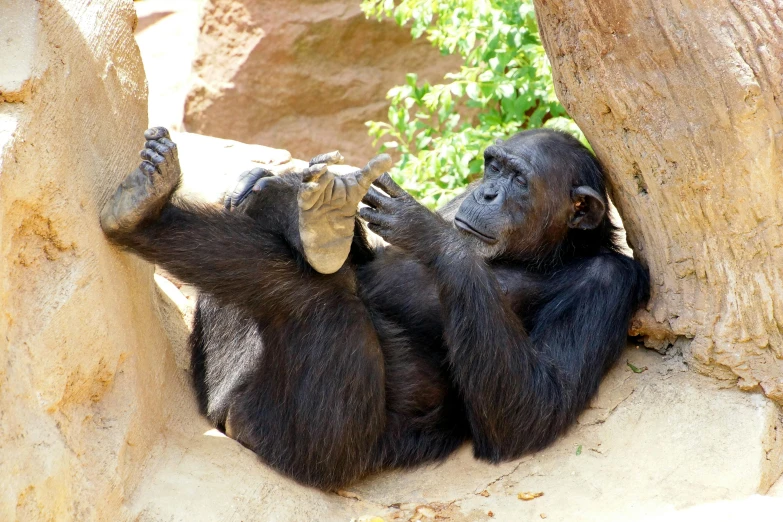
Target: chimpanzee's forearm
column 511, row 390
column 522, row 388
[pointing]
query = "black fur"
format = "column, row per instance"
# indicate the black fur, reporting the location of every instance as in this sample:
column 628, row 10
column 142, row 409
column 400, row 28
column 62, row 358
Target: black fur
column 412, row 349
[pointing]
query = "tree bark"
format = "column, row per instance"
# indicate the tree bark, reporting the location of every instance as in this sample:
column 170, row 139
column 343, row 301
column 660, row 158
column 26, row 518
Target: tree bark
column 682, row 101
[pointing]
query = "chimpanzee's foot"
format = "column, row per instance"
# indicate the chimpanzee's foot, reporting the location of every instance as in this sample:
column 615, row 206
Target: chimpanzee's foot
column 328, row 159
column 146, row 190
column 328, row 203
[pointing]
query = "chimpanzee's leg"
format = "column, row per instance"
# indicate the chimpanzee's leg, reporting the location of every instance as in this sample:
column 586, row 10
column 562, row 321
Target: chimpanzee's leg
column 238, row 259
column 313, row 403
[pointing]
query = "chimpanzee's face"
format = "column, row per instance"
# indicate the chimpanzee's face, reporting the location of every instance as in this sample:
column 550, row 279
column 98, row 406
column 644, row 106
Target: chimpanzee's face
column 528, row 198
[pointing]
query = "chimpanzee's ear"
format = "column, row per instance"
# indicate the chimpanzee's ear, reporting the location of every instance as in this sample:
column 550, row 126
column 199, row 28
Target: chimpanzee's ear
column 589, row 208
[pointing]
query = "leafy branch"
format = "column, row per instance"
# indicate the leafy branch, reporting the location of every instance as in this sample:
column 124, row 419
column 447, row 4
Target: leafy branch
column 504, row 85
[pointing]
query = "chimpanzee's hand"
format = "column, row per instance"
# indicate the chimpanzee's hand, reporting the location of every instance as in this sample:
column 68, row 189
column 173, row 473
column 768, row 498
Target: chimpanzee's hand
column 401, row 220
column 244, row 186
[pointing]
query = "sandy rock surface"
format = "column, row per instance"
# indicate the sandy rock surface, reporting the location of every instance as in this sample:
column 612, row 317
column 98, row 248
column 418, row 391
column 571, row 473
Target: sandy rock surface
column 80, row 382
column 300, row 75
column 217, row 164
column 166, row 33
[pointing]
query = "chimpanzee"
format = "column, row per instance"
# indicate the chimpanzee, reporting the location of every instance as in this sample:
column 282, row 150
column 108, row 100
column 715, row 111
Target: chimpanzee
column 331, row 358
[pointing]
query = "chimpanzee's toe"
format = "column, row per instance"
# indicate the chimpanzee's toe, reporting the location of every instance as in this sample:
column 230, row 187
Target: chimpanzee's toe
column 156, row 133
column 152, row 156
column 147, row 168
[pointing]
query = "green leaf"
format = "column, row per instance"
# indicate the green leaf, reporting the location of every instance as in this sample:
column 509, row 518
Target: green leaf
column 634, row 369
column 579, row 450
column 505, row 90
column 473, row 91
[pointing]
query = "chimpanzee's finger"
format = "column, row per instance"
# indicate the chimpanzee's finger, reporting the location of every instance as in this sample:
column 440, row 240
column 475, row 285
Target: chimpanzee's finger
column 375, row 199
column 330, row 158
column 157, row 147
column 161, row 149
column 261, row 183
column 373, row 217
column 389, row 186
column 148, row 168
column 373, row 170
column 261, row 172
column 377, row 229
column 316, row 192
column 244, row 185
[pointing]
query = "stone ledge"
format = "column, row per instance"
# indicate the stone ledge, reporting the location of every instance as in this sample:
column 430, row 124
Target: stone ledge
column 211, row 165
column 675, row 440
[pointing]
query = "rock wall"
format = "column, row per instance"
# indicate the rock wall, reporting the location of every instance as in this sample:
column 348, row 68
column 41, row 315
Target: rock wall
column 303, row 75
column 79, row 380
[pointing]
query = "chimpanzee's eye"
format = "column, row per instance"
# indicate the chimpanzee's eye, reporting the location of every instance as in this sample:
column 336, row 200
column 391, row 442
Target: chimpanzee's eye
column 493, row 168
column 522, row 180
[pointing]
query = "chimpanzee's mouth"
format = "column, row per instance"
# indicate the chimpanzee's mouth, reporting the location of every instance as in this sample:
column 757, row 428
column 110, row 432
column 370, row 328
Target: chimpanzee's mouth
column 466, row 227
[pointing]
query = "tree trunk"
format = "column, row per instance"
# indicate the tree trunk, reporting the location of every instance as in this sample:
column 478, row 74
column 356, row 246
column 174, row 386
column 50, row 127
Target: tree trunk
column 682, row 101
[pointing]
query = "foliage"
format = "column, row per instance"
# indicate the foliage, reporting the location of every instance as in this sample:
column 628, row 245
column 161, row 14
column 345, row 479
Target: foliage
column 504, row 85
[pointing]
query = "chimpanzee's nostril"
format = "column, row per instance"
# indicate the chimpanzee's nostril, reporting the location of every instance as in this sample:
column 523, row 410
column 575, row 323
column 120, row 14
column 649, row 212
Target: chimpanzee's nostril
column 489, row 196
